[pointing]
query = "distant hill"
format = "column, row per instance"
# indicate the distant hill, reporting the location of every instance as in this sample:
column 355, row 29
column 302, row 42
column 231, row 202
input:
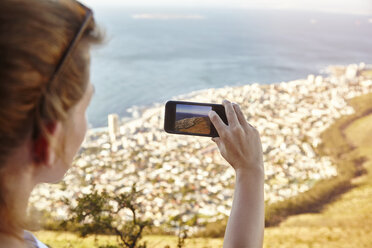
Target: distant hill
column 199, row 125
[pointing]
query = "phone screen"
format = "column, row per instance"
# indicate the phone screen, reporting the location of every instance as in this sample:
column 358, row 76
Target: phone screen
column 192, row 119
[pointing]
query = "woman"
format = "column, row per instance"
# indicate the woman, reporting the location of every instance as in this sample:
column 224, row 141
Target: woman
column 44, row 94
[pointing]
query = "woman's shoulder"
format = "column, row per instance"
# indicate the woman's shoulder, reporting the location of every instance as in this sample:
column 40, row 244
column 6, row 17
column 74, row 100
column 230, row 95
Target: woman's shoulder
column 33, row 241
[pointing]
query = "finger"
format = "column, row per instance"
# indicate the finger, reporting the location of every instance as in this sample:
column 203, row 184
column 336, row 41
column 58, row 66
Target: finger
column 230, row 113
column 217, row 140
column 217, row 122
column 240, row 116
column 252, row 127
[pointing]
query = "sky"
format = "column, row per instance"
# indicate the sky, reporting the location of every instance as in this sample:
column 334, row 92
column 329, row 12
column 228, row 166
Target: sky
column 340, row 6
column 193, row 109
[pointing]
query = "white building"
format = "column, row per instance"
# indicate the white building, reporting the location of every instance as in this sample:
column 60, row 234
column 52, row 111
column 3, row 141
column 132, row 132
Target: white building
column 113, row 126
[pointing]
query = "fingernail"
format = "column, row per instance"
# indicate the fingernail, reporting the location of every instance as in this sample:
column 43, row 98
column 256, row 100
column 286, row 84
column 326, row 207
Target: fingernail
column 211, row 113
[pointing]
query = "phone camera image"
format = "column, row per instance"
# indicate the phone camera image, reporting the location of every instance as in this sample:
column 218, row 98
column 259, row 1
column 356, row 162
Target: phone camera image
column 192, row 119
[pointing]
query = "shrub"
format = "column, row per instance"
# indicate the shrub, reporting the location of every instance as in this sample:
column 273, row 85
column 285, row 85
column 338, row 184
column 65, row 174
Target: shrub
column 99, row 213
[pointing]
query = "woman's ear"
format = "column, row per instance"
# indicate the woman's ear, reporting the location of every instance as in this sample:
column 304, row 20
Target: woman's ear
column 43, row 148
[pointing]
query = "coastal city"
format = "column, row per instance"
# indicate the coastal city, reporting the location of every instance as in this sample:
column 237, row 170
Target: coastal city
column 186, row 176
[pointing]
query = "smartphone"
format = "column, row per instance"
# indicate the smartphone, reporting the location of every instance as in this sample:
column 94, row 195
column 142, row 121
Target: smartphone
column 191, row 118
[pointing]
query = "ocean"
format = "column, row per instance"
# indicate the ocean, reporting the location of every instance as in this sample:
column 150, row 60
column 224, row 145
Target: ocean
column 152, row 55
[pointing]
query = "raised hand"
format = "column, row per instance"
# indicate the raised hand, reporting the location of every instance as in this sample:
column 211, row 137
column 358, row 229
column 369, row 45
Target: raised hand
column 239, row 142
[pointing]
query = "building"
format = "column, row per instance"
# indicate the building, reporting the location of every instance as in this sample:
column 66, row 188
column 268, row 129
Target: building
column 113, row 126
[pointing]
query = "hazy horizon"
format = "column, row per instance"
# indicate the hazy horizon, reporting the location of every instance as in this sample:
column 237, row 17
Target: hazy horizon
column 360, row 7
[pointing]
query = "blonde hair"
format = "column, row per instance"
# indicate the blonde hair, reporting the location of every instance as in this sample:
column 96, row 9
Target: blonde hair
column 34, row 34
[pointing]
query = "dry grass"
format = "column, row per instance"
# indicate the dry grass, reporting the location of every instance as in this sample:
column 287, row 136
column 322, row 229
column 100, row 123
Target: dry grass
column 367, row 73
column 347, row 222
column 70, row 240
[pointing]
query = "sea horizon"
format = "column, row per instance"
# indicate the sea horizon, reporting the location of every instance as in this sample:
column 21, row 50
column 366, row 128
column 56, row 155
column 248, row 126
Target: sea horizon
column 154, row 55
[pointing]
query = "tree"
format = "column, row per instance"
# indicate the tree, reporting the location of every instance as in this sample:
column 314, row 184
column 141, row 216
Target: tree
column 102, row 213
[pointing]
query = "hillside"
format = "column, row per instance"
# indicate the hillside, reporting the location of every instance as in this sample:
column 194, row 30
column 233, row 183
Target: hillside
column 194, row 125
column 347, row 221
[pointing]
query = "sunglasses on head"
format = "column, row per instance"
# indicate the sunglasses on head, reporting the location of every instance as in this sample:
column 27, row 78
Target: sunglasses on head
column 73, row 42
